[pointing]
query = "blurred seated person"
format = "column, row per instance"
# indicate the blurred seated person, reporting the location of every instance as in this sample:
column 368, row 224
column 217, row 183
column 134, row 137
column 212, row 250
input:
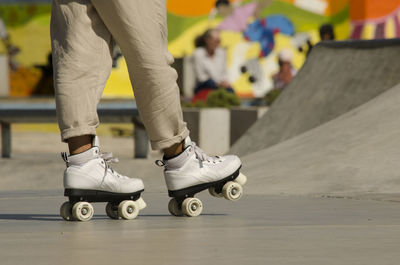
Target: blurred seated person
column 286, row 69
column 209, row 62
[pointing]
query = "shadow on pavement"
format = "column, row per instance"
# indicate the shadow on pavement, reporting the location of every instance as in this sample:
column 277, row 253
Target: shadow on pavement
column 57, row 218
column 30, row 217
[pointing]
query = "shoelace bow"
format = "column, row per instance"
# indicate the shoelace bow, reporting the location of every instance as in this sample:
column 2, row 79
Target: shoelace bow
column 202, row 156
column 108, row 159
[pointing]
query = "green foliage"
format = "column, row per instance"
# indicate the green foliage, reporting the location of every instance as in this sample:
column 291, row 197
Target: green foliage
column 272, row 96
column 222, row 99
column 217, row 99
column 199, row 104
column 186, row 104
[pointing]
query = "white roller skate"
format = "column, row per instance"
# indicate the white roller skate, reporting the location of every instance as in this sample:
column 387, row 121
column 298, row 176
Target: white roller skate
column 193, row 171
column 89, row 178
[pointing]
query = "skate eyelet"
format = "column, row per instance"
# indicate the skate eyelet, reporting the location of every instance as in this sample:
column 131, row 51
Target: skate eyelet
column 160, row 163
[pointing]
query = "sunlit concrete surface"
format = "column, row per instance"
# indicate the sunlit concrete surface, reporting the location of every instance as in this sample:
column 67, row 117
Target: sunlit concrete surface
column 261, row 228
column 356, row 153
column 255, row 230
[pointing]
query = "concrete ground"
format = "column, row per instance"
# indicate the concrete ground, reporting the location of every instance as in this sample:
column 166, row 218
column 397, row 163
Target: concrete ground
column 255, row 230
column 259, row 229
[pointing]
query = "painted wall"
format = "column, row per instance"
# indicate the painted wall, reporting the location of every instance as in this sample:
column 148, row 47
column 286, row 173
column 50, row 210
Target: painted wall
column 372, row 19
column 253, row 33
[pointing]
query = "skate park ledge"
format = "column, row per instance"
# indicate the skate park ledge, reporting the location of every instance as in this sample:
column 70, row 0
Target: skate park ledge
column 213, row 129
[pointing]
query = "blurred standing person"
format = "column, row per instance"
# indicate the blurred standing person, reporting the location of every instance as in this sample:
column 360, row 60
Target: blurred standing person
column 12, row 50
column 326, row 32
column 286, row 69
column 209, row 61
column 3, row 32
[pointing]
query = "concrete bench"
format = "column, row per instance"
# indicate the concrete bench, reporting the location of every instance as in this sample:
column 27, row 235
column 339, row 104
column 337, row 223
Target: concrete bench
column 27, row 112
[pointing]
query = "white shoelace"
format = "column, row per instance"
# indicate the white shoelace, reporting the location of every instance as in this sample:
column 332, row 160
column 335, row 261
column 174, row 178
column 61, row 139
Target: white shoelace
column 202, row 156
column 108, row 159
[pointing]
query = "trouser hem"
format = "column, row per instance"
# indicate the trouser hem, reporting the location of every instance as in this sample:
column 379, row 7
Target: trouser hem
column 164, row 144
column 74, row 132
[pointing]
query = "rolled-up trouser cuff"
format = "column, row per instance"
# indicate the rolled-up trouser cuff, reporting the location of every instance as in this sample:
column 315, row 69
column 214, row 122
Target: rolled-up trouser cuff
column 164, row 144
column 68, row 133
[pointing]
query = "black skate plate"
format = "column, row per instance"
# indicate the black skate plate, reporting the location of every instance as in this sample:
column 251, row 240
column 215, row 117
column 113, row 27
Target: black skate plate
column 76, row 195
column 191, row 191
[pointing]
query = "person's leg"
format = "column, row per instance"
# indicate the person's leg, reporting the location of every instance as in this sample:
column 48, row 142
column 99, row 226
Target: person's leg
column 82, row 63
column 173, row 150
column 140, row 30
column 79, row 144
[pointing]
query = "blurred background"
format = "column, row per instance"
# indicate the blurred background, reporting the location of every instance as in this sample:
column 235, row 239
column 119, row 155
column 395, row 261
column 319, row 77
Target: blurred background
column 265, row 44
column 253, row 33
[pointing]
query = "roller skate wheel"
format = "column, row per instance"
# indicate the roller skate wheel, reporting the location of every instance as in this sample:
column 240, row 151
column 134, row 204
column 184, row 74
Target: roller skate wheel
column 232, row 191
column 112, row 210
column 82, row 211
column 214, row 193
column 192, row 207
column 66, row 211
column 173, row 208
column 241, row 179
column 128, row 210
column 141, row 203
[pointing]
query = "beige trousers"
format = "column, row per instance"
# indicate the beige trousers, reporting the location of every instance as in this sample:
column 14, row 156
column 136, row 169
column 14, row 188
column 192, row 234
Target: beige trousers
column 82, row 33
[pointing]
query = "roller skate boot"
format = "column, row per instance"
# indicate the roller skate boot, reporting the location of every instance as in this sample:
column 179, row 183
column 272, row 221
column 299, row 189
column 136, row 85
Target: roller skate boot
column 89, row 178
column 193, row 171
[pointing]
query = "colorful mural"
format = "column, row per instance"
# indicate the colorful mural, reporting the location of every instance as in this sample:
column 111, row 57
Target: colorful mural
column 253, row 32
column 371, row 19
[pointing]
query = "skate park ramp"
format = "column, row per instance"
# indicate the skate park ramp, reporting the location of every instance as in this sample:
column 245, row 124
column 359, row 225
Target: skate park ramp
column 337, row 77
column 356, row 154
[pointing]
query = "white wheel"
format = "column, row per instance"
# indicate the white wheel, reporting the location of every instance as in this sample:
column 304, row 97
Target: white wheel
column 66, row 211
column 241, row 179
column 232, row 191
column 192, row 207
column 173, row 208
column 214, row 193
column 128, row 210
column 112, row 211
column 82, row 211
